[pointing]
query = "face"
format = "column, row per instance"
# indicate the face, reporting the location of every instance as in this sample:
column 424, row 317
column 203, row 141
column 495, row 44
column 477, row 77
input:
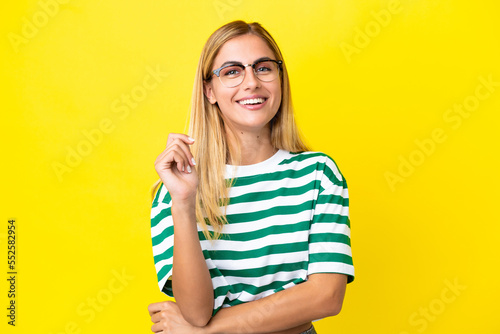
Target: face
column 244, row 117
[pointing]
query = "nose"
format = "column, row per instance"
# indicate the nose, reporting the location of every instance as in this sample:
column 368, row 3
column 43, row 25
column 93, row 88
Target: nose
column 250, row 80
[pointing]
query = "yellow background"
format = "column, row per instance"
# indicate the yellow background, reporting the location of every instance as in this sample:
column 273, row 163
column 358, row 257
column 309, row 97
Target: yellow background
column 423, row 179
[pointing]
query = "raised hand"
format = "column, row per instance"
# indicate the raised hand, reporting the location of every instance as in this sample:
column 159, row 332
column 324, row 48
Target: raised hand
column 175, row 166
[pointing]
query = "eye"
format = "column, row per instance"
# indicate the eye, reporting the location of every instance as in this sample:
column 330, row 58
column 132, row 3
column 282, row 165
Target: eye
column 231, row 71
column 265, row 67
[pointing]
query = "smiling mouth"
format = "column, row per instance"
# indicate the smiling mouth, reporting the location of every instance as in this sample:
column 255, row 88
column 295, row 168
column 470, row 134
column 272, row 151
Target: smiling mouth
column 252, row 101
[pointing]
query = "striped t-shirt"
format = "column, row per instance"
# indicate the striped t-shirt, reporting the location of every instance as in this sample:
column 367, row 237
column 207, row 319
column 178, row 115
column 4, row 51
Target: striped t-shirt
column 288, row 217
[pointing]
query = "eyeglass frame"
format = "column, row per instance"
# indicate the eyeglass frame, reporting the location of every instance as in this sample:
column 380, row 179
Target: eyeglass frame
column 217, row 71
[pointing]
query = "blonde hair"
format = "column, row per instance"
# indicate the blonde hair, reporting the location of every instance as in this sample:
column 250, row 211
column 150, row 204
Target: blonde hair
column 210, row 149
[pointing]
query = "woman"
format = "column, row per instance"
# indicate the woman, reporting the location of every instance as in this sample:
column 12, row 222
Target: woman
column 262, row 235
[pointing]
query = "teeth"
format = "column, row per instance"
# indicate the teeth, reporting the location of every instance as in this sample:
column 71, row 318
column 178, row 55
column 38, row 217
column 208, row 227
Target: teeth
column 252, row 101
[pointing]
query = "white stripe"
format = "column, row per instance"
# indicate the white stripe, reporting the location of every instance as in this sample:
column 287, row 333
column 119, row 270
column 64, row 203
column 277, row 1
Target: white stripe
column 289, row 285
column 256, row 225
column 334, row 169
column 219, row 302
column 160, row 264
column 271, row 185
column 163, row 193
column 219, row 281
column 332, row 209
column 294, row 165
column 259, row 262
column 268, row 279
column 335, row 190
column 157, row 209
column 161, row 226
column 258, row 168
column 255, row 244
column 257, row 206
column 245, row 296
column 329, row 247
column 164, row 245
column 331, row 267
column 330, row 228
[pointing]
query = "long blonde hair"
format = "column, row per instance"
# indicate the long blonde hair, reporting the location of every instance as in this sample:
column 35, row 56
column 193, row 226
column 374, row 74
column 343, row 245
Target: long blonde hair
column 210, row 149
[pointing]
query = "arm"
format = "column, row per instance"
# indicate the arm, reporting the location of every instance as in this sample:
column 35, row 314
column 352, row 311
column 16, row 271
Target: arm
column 191, row 282
column 320, row 296
column 281, row 313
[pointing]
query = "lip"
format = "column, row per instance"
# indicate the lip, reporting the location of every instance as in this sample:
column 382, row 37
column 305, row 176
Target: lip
column 253, row 106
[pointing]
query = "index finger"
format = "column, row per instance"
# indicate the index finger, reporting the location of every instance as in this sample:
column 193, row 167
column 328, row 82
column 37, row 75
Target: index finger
column 156, row 307
column 185, row 138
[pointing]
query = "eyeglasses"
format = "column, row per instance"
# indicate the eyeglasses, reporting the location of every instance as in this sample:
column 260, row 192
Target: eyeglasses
column 233, row 74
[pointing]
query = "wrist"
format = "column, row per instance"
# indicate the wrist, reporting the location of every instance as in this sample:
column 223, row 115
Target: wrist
column 184, row 206
column 184, row 213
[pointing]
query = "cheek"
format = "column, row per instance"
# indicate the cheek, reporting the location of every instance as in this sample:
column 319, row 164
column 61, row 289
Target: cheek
column 277, row 95
column 224, row 97
column 277, row 89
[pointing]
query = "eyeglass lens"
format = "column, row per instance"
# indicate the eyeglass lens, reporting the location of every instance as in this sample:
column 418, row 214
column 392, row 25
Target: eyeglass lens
column 232, row 76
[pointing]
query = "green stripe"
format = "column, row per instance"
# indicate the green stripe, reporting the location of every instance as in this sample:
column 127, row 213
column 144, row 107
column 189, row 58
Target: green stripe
column 167, row 199
column 255, row 253
column 238, row 301
column 167, row 254
column 275, row 229
column 328, row 172
column 301, row 157
column 330, row 257
column 329, row 237
column 266, row 195
column 163, row 235
column 333, row 199
column 163, row 271
column 233, row 302
column 275, row 176
column 331, row 218
column 162, row 214
column 277, row 210
column 252, row 289
column 266, row 270
column 155, row 201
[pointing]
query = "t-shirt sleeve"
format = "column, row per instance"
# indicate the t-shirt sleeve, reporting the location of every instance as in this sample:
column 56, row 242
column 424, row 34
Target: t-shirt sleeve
column 162, row 234
column 330, row 232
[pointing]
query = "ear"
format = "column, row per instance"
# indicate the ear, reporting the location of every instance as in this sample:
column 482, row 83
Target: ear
column 209, row 92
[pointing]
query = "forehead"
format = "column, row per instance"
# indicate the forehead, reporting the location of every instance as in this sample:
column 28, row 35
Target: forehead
column 245, row 49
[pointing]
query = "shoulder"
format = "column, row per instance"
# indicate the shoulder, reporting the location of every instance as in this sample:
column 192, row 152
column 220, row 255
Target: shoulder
column 321, row 161
column 311, row 156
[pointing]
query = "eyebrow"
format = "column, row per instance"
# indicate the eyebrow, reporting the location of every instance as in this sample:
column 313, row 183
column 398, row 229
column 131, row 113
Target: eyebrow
column 234, row 62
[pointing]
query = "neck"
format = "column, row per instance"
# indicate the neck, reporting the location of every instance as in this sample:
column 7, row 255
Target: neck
column 255, row 146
